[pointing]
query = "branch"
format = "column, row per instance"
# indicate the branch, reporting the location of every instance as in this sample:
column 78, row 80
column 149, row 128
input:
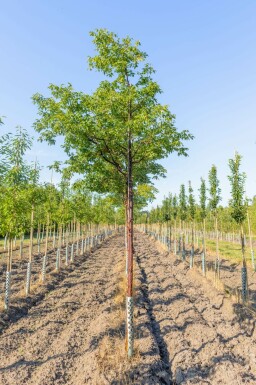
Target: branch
column 113, row 162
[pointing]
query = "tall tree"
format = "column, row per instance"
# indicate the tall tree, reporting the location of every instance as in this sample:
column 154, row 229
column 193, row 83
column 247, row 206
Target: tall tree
column 238, row 209
column 183, row 216
column 203, row 214
column 15, row 175
column 115, row 135
column 192, row 212
column 214, row 200
column 175, row 214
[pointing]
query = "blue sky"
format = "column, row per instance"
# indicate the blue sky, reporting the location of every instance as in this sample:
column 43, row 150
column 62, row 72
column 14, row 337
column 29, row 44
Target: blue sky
column 203, row 51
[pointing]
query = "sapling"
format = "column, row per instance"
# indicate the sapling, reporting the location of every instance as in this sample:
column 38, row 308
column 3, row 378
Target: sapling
column 183, row 216
column 46, row 247
column 214, row 200
column 175, row 214
column 15, row 175
column 166, row 214
column 250, row 240
column 191, row 211
column 238, row 210
column 202, row 198
column 30, row 253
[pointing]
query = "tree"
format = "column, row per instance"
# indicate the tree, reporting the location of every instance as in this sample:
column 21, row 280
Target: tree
column 192, row 212
column 203, row 214
column 214, row 200
column 15, row 176
column 175, row 214
column 115, row 135
column 239, row 207
column 183, row 215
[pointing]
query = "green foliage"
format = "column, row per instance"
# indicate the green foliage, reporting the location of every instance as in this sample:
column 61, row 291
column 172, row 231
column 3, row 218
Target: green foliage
column 182, row 203
column 175, row 208
column 202, row 198
column 214, row 189
column 13, row 211
column 14, row 171
column 191, row 202
column 96, row 127
column 237, row 181
column 167, row 208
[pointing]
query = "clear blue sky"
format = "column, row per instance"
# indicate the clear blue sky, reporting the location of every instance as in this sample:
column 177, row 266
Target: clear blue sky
column 204, row 53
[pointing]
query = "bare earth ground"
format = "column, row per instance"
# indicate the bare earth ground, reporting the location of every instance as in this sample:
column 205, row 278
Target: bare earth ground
column 186, row 331
column 230, row 273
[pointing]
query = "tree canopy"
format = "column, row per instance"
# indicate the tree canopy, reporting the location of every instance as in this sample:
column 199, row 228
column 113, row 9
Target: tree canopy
column 96, row 127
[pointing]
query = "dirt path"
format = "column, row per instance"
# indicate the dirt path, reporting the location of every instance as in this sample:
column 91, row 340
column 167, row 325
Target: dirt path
column 186, row 332
column 204, row 337
column 75, row 335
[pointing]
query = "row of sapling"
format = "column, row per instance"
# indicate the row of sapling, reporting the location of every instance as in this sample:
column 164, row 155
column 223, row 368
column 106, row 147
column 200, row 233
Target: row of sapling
column 15, row 175
column 25, row 204
column 115, row 136
column 238, row 207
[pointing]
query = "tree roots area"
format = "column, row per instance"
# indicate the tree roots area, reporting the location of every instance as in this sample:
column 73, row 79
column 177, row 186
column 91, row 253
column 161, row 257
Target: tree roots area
column 72, row 330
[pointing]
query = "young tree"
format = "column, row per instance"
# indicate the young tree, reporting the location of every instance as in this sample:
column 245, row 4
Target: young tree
column 115, row 135
column 239, row 208
column 15, row 176
column 166, row 215
column 183, row 216
column 192, row 212
column 203, row 213
column 214, row 200
column 250, row 237
column 175, row 214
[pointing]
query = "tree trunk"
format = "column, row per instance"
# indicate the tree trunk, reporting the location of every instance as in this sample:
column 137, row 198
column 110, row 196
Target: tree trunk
column 46, row 247
column 204, row 250
column 192, row 245
column 9, row 256
column 129, row 226
column 217, row 263
column 250, row 238
column 244, row 268
column 28, row 281
column 175, row 237
column 31, row 235
column 8, row 275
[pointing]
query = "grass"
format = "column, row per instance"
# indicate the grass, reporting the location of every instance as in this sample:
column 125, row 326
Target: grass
column 228, row 250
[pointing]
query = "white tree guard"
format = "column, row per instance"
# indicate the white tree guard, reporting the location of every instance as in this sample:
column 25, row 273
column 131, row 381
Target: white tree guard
column 29, row 266
column 130, row 331
column 44, row 267
column 7, row 290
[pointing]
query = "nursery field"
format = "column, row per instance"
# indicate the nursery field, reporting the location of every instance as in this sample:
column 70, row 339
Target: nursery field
column 99, row 287
column 70, row 330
